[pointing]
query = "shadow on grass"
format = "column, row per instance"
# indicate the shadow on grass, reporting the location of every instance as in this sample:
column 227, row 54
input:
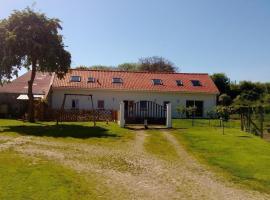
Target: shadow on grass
column 150, row 127
column 75, row 131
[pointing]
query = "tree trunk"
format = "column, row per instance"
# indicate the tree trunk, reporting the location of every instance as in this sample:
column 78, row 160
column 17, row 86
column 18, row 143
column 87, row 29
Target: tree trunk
column 31, row 113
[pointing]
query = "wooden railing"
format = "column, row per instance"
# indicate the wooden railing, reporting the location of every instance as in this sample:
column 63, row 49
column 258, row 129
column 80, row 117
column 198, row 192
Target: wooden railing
column 80, row 115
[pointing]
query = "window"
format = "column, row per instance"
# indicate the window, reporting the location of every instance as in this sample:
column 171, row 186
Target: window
column 100, row 104
column 75, row 104
column 143, row 105
column 75, row 79
column 196, row 83
column 157, row 82
column 117, row 80
column 91, row 80
column 179, row 83
column 198, row 105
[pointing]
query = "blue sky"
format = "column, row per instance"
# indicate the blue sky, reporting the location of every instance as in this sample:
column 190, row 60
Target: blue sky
column 230, row 36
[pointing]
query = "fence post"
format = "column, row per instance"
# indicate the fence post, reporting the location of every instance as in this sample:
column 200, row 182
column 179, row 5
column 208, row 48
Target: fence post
column 122, row 115
column 169, row 115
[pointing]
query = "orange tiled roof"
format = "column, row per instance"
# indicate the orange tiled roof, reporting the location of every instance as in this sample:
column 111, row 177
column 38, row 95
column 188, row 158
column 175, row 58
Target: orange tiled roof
column 137, row 81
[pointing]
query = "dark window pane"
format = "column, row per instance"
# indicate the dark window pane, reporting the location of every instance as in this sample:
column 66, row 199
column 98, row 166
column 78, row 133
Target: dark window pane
column 117, row 80
column 91, row 80
column 75, row 79
column 179, row 83
column 196, row 83
column 157, row 82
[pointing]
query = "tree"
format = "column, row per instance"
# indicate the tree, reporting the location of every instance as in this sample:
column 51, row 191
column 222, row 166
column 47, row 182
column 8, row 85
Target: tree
column 222, row 82
column 82, row 67
column 30, row 39
column 225, row 99
column 102, row 67
column 156, row 64
column 128, row 67
column 251, row 91
column 181, row 110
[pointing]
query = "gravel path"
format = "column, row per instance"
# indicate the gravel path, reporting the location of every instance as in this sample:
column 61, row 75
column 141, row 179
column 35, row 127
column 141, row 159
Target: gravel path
column 131, row 172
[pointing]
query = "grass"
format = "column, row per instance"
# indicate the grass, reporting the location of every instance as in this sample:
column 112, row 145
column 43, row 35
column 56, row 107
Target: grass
column 156, row 144
column 25, row 178
column 240, row 156
column 102, row 134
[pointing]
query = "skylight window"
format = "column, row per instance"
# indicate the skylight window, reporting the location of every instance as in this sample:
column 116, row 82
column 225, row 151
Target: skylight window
column 117, row 80
column 91, row 80
column 179, row 83
column 196, row 83
column 75, row 79
column 157, row 82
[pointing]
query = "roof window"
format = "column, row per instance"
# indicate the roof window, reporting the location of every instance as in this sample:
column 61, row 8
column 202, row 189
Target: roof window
column 179, row 83
column 75, row 79
column 91, row 80
column 157, row 82
column 196, row 83
column 117, row 80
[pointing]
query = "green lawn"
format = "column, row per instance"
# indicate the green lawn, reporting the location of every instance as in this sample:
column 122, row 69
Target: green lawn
column 36, row 177
column 102, row 134
column 25, row 178
column 240, row 156
column 156, row 144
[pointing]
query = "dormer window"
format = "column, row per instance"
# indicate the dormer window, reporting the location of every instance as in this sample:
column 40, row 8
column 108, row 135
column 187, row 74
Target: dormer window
column 157, row 82
column 179, row 83
column 196, row 83
column 91, row 80
column 75, row 79
column 117, row 80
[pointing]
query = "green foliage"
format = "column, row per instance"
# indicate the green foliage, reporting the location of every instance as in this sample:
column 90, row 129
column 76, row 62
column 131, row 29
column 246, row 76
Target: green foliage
column 30, row 39
column 27, row 38
column 223, row 112
column 191, row 110
column 224, row 99
column 82, row 67
column 102, row 67
column 128, row 67
column 181, row 110
column 222, row 82
column 156, row 64
column 211, row 114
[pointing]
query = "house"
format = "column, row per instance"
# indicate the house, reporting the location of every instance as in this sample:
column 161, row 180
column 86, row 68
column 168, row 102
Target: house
column 13, row 96
column 109, row 88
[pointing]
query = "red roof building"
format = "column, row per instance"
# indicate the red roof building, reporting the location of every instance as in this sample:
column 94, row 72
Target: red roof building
column 137, row 81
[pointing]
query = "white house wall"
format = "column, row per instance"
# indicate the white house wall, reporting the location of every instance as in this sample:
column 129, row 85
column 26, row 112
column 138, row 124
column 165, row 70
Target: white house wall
column 112, row 99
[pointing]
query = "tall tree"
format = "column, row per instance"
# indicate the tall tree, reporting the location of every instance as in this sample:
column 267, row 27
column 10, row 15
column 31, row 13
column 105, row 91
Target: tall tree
column 222, row 82
column 156, row 64
column 128, row 66
column 30, row 39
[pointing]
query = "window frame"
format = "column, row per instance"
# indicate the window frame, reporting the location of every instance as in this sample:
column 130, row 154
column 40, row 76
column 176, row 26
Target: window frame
column 117, row 78
column 156, row 79
column 179, row 82
column 196, row 83
column 91, row 79
column 72, row 80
